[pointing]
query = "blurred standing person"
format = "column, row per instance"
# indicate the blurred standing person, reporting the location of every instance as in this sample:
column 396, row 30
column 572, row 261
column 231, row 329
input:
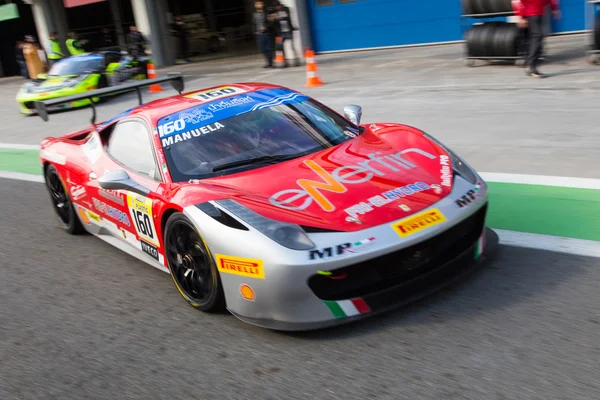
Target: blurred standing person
column 181, row 30
column 262, row 30
column 73, row 44
column 31, row 54
column 107, row 40
column 272, row 24
column 136, row 43
column 54, row 52
column 286, row 29
column 531, row 13
column 21, row 59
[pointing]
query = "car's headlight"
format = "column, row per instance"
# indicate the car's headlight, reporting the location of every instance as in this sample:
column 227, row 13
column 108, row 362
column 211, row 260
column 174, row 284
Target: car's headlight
column 459, row 166
column 287, row 235
column 26, row 88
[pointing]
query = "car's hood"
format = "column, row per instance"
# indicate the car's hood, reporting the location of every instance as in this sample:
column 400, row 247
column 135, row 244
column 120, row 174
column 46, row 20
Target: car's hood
column 51, row 83
column 387, row 173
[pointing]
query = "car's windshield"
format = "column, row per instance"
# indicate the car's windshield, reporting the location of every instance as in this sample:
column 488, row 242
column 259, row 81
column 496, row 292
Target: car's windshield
column 248, row 131
column 76, row 66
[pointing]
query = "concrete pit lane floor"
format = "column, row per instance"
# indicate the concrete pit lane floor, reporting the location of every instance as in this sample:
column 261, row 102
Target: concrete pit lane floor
column 79, row 319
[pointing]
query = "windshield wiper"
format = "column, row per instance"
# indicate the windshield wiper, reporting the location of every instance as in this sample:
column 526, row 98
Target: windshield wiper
column 256, row 160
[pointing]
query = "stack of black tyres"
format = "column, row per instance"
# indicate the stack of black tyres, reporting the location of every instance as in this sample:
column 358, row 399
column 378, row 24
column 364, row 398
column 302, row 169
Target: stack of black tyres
column 472, row 7
column 494, row 39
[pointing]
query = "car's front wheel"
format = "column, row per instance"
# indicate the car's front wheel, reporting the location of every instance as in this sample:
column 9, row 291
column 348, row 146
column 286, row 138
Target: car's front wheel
column 192, row 266
column 62, row 202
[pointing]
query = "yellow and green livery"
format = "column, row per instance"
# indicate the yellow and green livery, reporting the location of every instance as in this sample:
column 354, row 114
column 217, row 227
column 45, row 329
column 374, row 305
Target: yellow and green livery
column 79, row 74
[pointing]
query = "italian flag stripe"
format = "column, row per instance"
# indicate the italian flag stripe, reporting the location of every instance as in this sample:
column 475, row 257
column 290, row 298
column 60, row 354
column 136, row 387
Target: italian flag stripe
column 347, row 308
column 335, row 309
column 361, row 305
column 480, row 245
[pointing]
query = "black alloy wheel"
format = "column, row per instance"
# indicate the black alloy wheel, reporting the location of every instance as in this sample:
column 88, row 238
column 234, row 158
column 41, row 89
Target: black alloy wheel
column 62, row 202
column 191, row 265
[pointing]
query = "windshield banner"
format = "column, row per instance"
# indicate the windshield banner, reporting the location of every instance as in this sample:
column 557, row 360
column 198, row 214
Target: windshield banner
column 205, row 118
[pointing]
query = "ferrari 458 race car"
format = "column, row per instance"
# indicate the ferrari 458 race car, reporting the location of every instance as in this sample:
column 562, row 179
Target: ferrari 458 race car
column 260, row 199
column 79, row 74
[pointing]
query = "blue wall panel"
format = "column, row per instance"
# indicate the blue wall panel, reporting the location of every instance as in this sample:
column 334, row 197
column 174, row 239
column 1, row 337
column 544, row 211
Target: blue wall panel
column 573, row 16
column 375, row 23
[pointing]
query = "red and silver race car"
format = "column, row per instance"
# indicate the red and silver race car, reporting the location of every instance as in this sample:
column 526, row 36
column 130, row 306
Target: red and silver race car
column 260, row 199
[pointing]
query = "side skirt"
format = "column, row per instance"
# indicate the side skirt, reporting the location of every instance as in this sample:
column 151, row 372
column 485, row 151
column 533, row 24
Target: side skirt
column 118, row 243
column 101, row 231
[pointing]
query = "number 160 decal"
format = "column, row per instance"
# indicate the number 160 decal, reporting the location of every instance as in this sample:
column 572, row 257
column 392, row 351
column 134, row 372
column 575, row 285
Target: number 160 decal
column 143, row 224
column 222, row 91
column 140, row 209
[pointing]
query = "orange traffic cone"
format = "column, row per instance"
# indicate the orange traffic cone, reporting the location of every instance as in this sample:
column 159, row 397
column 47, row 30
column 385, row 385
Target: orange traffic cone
column 152, row 74
column 312, row 79
column 279, row 57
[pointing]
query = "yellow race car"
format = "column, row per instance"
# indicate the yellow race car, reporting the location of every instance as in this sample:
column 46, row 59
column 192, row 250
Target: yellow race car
column 79, row 74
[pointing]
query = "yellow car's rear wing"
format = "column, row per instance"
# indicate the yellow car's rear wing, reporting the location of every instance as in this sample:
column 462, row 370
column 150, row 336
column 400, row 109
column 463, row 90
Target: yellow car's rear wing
column 176, row 80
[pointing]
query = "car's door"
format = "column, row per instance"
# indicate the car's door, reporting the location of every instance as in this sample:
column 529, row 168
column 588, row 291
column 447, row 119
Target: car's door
column 126, row 215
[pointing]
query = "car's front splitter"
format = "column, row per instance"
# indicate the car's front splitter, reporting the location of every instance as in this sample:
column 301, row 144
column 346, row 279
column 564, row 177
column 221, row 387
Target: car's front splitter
column 26, row 99
column 29, row 111
column 479, row 253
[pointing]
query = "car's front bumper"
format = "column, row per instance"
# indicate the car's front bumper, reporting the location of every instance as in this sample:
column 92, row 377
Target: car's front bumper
column 26, row 99
column 422, row 285
column 26, row 103
column 296, row 292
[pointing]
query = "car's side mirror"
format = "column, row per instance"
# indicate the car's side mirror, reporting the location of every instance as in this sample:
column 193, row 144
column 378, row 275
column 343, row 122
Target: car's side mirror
column 353, row 113
column 120, row 180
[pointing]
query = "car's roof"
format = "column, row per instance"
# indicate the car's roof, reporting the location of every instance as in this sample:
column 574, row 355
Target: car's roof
column 157, row 109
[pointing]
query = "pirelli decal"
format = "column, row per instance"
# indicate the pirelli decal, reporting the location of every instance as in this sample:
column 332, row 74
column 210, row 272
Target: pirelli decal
column 248, row 267
column 418, row 222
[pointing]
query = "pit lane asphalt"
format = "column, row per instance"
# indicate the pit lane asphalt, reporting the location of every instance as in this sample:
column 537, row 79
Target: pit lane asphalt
column 80, row 319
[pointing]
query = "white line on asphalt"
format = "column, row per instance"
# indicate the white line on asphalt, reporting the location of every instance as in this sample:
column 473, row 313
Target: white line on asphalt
column 560, row 181
column 536, row 241
column 19, row 146
column 589, row 248
column 544, row 180
column 21, row 176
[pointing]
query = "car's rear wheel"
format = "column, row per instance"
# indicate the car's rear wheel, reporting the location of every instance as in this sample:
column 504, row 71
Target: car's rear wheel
column 62, row 202
column 192, row 266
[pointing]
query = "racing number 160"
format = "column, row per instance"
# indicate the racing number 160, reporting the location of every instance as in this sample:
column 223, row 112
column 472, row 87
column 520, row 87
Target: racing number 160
column 216, row 93
column 143, row 223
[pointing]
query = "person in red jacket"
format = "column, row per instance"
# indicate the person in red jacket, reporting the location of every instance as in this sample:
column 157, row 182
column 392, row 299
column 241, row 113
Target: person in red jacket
column 531, row 13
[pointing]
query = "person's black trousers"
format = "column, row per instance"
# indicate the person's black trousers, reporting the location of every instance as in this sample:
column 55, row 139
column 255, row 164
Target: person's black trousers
column 535, row 39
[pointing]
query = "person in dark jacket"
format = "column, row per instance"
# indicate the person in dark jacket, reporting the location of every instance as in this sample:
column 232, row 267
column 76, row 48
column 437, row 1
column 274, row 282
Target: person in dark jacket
column 107, row 40
column 136, row 43
column 262, row 26
column 181, row 30
column 531, row 13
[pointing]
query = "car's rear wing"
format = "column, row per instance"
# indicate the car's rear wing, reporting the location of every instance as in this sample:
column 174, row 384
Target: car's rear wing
column 176, row 80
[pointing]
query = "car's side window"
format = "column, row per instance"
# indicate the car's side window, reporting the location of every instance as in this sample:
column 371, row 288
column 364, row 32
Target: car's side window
column 129, row 144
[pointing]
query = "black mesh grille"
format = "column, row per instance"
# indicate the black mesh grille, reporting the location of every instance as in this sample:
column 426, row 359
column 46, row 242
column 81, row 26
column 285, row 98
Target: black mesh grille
column 400, row 267
column 29, row 105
